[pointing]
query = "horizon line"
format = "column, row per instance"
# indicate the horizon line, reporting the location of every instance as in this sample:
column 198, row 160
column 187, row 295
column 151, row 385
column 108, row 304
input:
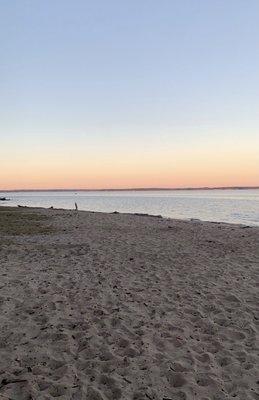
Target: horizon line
column 131, row 189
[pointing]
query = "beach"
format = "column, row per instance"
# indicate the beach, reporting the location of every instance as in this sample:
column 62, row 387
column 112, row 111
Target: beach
column 98, row 306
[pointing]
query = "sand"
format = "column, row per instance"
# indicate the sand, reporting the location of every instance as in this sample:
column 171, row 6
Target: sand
column 109, row 306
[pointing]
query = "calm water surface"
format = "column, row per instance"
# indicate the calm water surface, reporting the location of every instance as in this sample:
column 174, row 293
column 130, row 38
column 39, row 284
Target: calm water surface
column 235, row 206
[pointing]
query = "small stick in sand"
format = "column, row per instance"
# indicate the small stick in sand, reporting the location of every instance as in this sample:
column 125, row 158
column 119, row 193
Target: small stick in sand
column 76, row 208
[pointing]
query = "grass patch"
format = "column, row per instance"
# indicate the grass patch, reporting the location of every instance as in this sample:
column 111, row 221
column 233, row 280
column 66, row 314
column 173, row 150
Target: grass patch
column 16, row 222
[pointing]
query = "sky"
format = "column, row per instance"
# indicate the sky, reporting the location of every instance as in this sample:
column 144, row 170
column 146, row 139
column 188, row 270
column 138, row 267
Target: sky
column 124, row 94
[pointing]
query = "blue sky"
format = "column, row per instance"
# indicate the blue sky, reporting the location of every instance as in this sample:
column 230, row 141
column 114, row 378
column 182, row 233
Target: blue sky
column 113, row 77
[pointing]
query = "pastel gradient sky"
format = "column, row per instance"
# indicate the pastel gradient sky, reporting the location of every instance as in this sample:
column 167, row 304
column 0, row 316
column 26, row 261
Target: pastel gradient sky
column 134, row 93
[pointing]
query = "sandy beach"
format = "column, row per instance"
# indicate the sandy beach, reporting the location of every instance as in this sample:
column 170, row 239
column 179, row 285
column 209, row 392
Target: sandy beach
column 99, row 306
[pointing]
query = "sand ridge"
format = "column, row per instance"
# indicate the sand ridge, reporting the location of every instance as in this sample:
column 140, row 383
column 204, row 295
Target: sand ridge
column 119, row 306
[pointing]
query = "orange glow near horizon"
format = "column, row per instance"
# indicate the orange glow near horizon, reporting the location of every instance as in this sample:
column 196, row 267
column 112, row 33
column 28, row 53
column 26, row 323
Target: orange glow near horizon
column 170, row 170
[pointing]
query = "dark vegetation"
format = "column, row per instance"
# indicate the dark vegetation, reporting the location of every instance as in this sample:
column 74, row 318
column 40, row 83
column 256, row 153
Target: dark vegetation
column 14, row 221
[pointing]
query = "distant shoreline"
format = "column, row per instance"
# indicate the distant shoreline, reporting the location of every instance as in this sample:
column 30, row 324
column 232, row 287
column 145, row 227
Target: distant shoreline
column 131, row 189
